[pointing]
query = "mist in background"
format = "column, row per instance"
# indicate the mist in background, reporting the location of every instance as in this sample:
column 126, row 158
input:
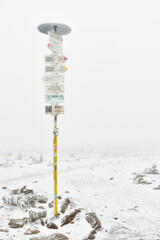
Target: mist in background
column 112, row 86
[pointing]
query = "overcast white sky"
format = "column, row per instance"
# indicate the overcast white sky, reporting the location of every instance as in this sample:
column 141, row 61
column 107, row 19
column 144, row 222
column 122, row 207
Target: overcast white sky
column 112, row 86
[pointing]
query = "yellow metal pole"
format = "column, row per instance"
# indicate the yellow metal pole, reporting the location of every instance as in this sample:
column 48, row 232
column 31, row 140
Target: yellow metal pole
column 55, row 164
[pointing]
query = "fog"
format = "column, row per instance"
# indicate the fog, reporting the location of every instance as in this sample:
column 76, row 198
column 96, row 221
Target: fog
column 113, row 80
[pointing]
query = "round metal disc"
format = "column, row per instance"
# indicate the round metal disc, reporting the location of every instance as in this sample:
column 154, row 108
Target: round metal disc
column 59, row 28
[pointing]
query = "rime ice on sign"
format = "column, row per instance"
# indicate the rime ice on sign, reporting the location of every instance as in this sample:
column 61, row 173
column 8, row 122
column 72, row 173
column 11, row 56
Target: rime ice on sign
column 54, row 84
column 54, row 78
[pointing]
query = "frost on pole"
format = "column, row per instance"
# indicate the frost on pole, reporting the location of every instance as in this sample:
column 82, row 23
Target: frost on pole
column 54, row 83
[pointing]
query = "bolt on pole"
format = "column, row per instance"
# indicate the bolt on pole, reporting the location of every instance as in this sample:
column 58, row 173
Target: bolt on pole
column 54, row 83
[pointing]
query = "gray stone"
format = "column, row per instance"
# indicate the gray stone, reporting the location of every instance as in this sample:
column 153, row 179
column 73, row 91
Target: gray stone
column 4, row 230
column 16, row 223
column 37, row 215
column 64, row 205
column 50, row 205
column 31, row 231
column 42, row 199
column 93, row 220
column 51, row 225
column 69, row 218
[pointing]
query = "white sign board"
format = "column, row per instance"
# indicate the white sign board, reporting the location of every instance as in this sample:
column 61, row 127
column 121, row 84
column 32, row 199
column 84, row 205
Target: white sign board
column 53, row 79
column 56, row 38
column 55, row 69
column 55, row 59
column 55, row 98
column 54, row 109
column 54, row 89
column 55, row 48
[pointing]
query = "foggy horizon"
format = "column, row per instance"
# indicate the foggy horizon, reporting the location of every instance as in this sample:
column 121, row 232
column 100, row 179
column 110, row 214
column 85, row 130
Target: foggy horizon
column 111, row 85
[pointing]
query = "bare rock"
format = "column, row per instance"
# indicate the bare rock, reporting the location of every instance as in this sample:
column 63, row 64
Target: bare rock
column 4, row 187
column 42, row 222
column 59, row 197
column 15, row 191
column 93, row 220
column 69, row 218
column 93, row 232
column 25, row 220
column 1, row 207
column 64, row 205
column 41, row 207
column 16, row 223
column 42, row 199
column 50, row 205
column 55, row 236
column 26, row 191
column 37, row 215
column 51, row 225
column 4, row 230
column 31, row 231
column 89, row 237
column 66, row 191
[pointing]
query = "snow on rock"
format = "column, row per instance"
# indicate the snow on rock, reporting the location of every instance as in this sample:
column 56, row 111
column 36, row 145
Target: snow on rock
column 51, row 204
column 23, row 198
column 89, row 237
column 64, row 205
column 139, row 179
column 31, row 231
column 42, row 199
column 17, row 223
column 93, row 220
column 69, row 218
column 157, row 188
column 55, row 236
column 20, row 200
column 152, row 170
column 51, row 225
column 37, row 215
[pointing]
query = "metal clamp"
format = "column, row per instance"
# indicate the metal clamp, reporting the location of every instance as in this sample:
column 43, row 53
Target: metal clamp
column 56, row 131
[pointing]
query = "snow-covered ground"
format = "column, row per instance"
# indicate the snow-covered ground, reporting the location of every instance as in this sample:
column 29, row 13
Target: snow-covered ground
column 100, row 181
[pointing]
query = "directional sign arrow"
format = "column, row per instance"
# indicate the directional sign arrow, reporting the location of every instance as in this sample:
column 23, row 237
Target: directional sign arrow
column 55, row 69
column 55, row 47
column 55, row 98
column 54, row 89
column 53, row 79
column 54, row 37
column 55, row 59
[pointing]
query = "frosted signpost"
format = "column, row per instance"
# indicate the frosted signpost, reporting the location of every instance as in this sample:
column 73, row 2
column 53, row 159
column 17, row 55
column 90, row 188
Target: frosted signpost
column 54, row 83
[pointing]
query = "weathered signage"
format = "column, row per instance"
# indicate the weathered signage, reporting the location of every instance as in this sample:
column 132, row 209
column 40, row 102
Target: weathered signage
column 54, row 98
column 54, row 89
column 55, row 58
column 53, row 78
column 55, row 69
column 56, row 38
column 54, row 109
column 55, row 47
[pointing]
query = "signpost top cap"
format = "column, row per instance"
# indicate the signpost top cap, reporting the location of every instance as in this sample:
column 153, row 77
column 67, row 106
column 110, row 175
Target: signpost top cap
column 59, row 28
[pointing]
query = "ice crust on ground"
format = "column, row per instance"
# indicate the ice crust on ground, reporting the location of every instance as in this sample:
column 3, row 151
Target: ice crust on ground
column 100, row 182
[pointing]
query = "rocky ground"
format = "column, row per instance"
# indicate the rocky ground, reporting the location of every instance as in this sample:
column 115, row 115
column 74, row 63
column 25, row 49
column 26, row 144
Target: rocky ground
column 102, row 195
